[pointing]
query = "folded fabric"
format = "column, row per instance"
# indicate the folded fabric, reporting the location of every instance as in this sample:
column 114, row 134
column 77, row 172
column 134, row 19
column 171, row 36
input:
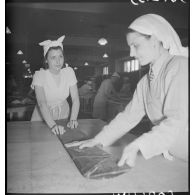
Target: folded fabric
column 95, row 163
column 71, row 135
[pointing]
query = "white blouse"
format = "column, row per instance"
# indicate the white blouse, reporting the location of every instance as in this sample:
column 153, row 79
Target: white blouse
column 56, row 94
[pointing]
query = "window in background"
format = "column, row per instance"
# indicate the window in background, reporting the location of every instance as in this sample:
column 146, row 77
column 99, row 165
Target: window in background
column 137, row 67
column 105, row 70
column 127, row 66
column 131, row 65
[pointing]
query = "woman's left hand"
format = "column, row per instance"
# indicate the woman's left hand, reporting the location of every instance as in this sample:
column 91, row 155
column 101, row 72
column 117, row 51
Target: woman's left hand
column 129, row 155
column 72, row 124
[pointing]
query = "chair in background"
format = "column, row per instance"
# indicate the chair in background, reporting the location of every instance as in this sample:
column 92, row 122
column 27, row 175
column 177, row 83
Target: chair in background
column 86, row 106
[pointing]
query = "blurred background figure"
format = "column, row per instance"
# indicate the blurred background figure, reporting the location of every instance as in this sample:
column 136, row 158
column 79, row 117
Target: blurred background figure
column 86, row 88
column 86, row 95
column 126, row 87
column 106, row 91
column 12, row 87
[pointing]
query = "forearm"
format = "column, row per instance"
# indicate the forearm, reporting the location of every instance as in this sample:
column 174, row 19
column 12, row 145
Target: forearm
column 124, row 121
column 121, row 124
column 118, row 127
column 75, row 109
column 46, row 114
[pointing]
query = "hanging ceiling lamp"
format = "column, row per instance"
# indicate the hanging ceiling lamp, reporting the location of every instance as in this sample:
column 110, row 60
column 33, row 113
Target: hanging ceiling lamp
column 20, row 52
column 8, row 31
column 105, row 55
column 86, row 64
column 24, row 61
column 102, row 41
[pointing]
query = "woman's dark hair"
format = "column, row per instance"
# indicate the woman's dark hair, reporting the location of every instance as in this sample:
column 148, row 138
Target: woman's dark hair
column 45, row 65
column 129, row 30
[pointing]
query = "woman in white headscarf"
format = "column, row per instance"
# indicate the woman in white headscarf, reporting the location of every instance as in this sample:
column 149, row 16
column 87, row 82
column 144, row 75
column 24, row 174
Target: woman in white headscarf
column 162, row 94
column 52, row 87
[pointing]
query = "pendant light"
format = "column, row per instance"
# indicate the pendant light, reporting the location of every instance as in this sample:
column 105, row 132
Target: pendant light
column 102, row 40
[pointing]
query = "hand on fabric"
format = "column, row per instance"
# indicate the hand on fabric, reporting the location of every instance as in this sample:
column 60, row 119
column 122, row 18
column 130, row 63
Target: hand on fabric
column 58, row 129
column 129, row 155
column 83, row 144
column 72, row 124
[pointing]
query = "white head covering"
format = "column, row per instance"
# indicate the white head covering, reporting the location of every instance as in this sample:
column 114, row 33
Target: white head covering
column 152, row 24
column 115, row 74
column 48, row 43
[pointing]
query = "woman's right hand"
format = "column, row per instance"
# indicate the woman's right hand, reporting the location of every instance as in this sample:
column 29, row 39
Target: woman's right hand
column 58, row 129
column 83, row 144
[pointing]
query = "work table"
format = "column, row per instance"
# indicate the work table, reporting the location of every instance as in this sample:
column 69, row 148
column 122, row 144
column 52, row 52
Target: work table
column 37, row 162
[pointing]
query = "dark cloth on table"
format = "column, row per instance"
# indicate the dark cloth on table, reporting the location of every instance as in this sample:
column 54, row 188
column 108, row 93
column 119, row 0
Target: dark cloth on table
column 93, row 163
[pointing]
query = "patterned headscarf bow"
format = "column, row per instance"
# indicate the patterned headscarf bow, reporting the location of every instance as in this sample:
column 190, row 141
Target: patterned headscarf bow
column 48, row 43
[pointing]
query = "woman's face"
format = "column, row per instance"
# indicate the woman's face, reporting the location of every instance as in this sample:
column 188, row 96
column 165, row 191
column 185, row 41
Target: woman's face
column 141, row 48
column 55, row 60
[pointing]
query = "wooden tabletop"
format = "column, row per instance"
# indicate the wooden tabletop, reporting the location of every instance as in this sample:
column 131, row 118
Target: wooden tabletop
column 38, row 163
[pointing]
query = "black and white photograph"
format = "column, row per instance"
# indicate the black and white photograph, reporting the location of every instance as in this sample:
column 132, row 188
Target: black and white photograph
column 97, row 97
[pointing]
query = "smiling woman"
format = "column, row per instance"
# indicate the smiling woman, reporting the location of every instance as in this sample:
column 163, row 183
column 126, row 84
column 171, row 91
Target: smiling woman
column 52, row 87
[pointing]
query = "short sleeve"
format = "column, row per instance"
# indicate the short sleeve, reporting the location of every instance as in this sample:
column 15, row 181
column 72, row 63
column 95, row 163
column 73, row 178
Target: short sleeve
column 37, row 79
column 71, row 75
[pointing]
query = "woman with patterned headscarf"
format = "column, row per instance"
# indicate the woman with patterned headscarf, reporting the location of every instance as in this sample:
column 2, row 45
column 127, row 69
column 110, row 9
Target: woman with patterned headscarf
column 52, row 87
